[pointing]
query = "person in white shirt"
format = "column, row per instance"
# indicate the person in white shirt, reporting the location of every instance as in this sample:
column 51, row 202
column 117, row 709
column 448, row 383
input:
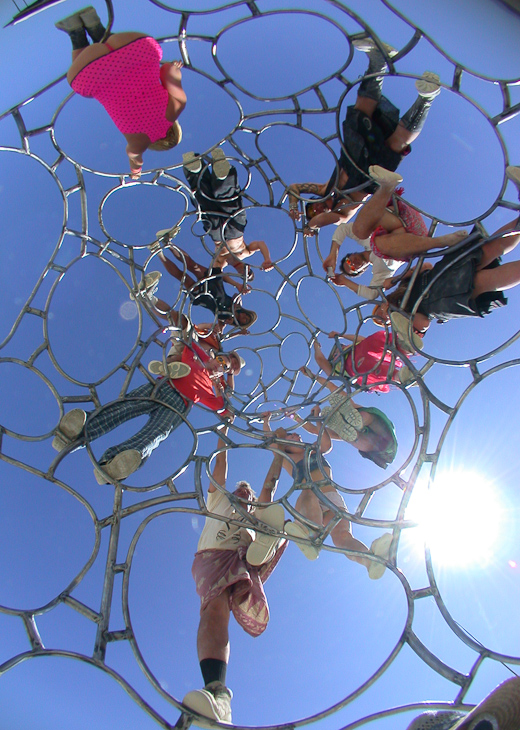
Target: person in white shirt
column 232, row 562
column 356, row 263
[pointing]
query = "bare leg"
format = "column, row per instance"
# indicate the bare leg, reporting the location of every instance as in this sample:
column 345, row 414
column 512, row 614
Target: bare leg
column 198, row 271
column 374, row 213
column 174, row 270
column 503, row 277
column 213, row 633
column 500, row 245
column 401, row 245
column 308, row 506
column 342, row 537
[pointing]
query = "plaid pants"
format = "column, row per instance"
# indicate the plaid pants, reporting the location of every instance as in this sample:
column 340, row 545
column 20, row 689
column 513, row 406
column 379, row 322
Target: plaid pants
column 163, row 419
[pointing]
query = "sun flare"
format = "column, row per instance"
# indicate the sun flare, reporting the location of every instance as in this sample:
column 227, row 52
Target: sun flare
column 458, row 516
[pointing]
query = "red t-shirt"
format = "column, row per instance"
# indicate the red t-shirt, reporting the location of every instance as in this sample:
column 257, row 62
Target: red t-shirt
column 198, row 386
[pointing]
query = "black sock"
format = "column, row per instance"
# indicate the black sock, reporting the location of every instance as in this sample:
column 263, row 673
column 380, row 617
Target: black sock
column 78, row 38
column 213, row 670
column 96, row 32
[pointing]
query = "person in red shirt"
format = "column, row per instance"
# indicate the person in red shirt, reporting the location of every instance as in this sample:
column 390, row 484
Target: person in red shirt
column 194, row 376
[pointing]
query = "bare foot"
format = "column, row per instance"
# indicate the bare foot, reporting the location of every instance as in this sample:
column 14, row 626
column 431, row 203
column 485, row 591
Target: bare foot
column 450, row 239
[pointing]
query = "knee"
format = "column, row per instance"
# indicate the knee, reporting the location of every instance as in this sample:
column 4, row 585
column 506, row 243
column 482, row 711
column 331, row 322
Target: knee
column 360, row 230
column 217, row 610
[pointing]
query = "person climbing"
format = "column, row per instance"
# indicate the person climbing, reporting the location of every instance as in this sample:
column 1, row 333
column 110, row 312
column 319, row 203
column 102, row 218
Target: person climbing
column 465, row 283
column 143, row 97
column 206, row 290
column 232, row 562
column 367, row 429
column 218, row 195
column 373, row 134
column 193, row 377
column 308, row 467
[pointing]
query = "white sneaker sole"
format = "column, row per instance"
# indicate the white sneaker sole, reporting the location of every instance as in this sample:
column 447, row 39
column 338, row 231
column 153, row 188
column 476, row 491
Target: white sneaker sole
column 69, row 428
column 120, row 467
column 384, row 176
column 294, row 529
column 202, row 705
column 263, row 547
column 221, row 166
column 429, row 86
column 381, row 548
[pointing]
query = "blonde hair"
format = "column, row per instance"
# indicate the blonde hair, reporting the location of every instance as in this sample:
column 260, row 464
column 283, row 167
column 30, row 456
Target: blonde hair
column 172, row 139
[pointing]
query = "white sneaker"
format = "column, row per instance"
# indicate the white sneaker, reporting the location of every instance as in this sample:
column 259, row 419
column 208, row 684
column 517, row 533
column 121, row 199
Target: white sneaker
column 69, row 428
column 168, row 233
column 192, row 162
column 221, row 166
column 263, row 547
column 368, row 44
column 384, row 176
column 175, row 369
column 429, row 86
column 120, row 467
column 213, row 702
column 381, row 548
column 148, row 286
column 295, row 529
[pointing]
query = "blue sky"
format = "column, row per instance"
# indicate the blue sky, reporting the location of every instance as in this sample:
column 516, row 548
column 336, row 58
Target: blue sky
column 331, row 628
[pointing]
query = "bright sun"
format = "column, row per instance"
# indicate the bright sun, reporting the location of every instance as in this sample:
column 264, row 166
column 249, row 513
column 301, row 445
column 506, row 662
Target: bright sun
column 459, row 518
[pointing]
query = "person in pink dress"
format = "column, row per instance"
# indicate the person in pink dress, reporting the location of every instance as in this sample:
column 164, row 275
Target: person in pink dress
column 143, row 97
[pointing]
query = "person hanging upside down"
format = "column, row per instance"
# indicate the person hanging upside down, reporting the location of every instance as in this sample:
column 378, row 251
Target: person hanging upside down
column 142, row 97
column 193, row 377
column 218, row 194
column 357, row 262
column 367, row 429
column 307, row 468
column 465, row 283
column 206, row 290
column 373, row 134
column 231, row 564
column 400, row 234
column 368, row 361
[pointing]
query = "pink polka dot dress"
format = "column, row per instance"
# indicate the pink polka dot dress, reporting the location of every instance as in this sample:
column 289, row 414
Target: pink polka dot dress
column 127, row 82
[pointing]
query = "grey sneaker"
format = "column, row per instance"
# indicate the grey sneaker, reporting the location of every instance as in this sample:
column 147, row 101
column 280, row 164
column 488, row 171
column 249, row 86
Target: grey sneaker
column 120, row 467
column 148, row 286
column 367, row 44
column 69, row 428
column 213, row 702
column 89, row 17
column 72, row 22
column 429, row 86
column 221, row 166
column 192, row 162
column 175, row 370
column 167, row 234
column 436, row 720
